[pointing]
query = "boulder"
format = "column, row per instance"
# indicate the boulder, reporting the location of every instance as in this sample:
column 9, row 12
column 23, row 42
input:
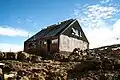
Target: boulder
column 58, row 56
column 41, row 78
column 1, row 55
column 77, row 51
column 75, row 57
column 38, row 76
column 1, row 72
column 24, row 78
column 11, row 55
column 22, row 56
column 22, row 72
column 8, row 68
column 36, row 58
column 106, row 64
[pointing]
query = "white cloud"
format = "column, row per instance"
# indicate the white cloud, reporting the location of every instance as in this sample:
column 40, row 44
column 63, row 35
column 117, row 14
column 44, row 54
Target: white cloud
column 96, row 23
column 116, row 28
column 105, row 1
column 98, row 12
column 95, row 15
column 6, row 47
column 9, row 31
column 103, row 36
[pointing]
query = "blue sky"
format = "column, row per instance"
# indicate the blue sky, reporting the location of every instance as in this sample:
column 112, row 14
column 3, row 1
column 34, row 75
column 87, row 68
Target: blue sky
column 19, row 19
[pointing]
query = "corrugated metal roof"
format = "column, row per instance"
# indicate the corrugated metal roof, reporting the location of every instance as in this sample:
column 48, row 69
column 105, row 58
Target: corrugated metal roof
column 53, row 30
column 57, row 30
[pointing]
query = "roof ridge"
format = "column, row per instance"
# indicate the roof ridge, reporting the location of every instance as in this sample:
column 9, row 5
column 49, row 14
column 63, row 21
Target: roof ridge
column 54, row 29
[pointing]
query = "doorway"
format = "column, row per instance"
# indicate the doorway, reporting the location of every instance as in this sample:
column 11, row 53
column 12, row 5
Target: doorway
column 48, row 45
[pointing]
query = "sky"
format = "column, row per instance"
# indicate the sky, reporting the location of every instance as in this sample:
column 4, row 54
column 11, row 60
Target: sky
column 20, row 19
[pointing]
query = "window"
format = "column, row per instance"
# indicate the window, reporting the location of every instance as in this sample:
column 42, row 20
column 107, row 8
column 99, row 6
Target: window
column 40, row 42
column 75, row 32
column 32, row 45
column 54, row 41
column 44, row 42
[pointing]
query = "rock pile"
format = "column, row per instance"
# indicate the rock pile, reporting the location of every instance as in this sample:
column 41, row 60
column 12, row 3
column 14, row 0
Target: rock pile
column 77, row 55
column 20, row 56
column 95, row 64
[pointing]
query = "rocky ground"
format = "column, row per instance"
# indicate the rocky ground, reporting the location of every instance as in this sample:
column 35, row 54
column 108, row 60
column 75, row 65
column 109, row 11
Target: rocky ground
column 96, row 64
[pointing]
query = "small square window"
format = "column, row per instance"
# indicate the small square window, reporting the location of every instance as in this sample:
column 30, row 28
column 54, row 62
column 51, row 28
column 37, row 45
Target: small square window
column 44, row 42
column 40, row 42
column 54, row 41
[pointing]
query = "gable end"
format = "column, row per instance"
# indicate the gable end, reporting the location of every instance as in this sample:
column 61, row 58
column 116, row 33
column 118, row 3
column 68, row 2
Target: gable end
column 74, row 30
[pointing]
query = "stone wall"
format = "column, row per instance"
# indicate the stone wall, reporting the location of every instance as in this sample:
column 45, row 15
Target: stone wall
column 69, row 44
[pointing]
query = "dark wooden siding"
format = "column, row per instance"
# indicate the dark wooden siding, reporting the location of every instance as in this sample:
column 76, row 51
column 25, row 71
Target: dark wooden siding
column 41, row 46
column 54, row 45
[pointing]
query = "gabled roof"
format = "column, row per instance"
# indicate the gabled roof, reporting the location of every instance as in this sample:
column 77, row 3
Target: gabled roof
column 53, row 30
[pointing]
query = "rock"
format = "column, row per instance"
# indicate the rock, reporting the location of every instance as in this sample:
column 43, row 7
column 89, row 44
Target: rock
column 1, row 72
column 24, row 78
column 1, row 55
column 94, row 64
column 36, row 58
column 61, row 56
column 41, row 78
column 11, row 55
column 7, row 69
column 117, row 64
column 77, row 51
column 36, row 70
column 22, row 72
column 118, row 61
column 22, row 56
column 56, row 78
column 10, row 76
column 106, row 64
column 47, row 61
column 75, row 57
column 78, row 68
column 38, row 76
column 58, row 56
column 89, row 57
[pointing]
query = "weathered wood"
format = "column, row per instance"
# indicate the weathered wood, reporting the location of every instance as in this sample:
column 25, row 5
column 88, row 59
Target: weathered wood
column 69, row 43
column 63, row 37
